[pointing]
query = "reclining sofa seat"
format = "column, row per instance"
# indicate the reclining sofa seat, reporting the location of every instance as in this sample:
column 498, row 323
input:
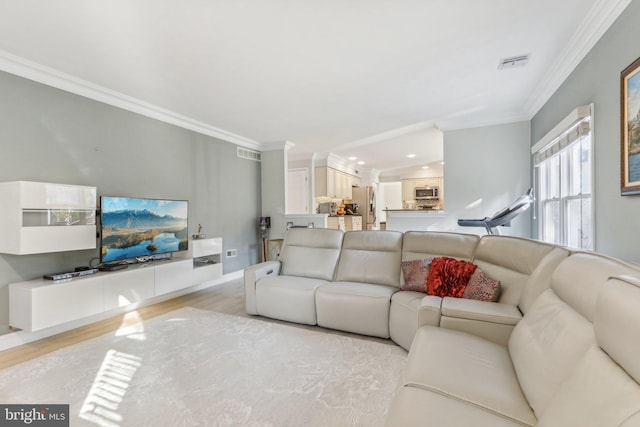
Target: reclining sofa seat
column 367, row 276
column 409, row 309
column 572, row 359
column 285, row 289
column 523, row 266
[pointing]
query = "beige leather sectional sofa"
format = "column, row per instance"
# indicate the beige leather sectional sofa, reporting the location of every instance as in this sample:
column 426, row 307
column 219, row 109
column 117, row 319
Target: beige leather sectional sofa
column 560, row 347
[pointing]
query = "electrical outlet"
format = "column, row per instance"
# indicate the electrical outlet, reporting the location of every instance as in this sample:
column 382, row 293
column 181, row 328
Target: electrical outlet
column 232, row 253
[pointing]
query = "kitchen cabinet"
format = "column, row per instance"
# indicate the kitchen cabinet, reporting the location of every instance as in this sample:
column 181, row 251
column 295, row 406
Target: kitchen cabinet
column 334, row 183
column 345, row 223
column 353, row 223
column 337, row 223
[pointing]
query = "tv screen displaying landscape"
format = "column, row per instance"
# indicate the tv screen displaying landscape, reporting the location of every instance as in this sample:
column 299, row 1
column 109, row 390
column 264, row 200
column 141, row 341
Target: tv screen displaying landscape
column 133, row 228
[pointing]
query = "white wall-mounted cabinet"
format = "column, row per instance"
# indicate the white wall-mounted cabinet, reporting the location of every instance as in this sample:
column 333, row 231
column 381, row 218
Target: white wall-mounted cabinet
column 39, row 304
column 173, row 276
column 207, row 255
column 38, row 217
column 132, row 285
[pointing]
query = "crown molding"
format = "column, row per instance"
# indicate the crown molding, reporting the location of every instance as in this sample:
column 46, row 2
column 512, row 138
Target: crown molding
column 472, row 123
column 597, row 22
column 279, row 145
column 30, row 70
column 394, row 133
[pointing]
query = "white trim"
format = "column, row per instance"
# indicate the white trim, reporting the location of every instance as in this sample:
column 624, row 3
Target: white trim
column 596, row 23
column 576, row 115
column 447, row 125
column 18, row 338
column 42, row 74
column 394, row 133
column 275, row 146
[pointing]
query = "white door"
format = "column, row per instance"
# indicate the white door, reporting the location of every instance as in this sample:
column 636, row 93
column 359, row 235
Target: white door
column 298, row 191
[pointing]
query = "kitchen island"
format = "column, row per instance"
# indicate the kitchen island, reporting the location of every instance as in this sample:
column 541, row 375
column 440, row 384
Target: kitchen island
column 417, row 220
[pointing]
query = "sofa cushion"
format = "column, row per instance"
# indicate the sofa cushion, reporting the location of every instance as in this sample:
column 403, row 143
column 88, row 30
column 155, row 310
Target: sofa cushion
column 416, row 407
column 617, row 322
column 448, row 277
column 430, row 244
column 311, row 252
column 598, row 393
column 481, row 287
column 414, row 275
column 540, row 279
column 545, row 346
column 603, row 388
column 371, row 257
column 556, row 330
column 361, row 308
column 591, row 271
column 469, row 369
column 511, row 260
column 289, row 298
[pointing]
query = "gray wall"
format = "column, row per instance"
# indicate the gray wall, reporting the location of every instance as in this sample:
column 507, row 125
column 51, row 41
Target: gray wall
column 597, row 80
column 53, row 136
column 485, row 169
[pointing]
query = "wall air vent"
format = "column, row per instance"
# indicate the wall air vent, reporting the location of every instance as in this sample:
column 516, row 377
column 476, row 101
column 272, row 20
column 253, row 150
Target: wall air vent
column 245, row 153
column 513, row 62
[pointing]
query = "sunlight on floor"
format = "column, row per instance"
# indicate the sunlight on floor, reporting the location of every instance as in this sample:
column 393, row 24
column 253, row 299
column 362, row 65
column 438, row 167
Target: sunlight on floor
column 109, row 388
column 132, row 327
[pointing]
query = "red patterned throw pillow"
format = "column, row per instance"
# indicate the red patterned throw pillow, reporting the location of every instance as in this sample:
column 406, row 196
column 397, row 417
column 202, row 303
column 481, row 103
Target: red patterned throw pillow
column 448, row 277
column 482, row 287
column 415, row 274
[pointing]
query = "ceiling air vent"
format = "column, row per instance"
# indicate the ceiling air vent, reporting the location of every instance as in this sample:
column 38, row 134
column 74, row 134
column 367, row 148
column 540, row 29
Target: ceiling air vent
column 513, row 62
column 245, row 153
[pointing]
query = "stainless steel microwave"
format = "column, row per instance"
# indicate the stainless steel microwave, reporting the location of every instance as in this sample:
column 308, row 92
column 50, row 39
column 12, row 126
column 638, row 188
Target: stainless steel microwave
column 426, row 193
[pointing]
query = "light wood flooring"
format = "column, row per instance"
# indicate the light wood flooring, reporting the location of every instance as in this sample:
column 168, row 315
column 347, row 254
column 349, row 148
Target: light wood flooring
column 225, row 298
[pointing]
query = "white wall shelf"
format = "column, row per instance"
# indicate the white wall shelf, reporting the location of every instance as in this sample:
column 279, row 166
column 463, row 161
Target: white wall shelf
column 207, row 259
column 39, row 217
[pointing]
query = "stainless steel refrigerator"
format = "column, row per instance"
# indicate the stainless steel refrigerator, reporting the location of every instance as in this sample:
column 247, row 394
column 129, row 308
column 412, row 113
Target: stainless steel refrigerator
column 365, row 197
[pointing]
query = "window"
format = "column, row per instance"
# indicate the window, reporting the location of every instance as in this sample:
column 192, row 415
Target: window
column 564, row 182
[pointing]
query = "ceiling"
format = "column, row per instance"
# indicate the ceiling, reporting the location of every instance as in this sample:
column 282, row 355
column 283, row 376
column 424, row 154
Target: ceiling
column 370, row 79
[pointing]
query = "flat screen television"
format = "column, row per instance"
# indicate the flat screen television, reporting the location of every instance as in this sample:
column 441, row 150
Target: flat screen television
column 135, row 228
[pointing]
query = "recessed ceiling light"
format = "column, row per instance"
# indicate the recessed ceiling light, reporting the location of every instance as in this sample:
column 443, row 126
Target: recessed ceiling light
column 360, row 162
column 411, row 156
column 352, row 158
column 442, row 163
column 425, row 167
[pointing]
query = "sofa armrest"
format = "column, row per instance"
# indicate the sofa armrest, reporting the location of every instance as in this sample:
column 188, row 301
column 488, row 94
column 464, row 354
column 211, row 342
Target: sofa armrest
column 252, row 275
column 493, row 321
column 494, row 312
column 429, row 311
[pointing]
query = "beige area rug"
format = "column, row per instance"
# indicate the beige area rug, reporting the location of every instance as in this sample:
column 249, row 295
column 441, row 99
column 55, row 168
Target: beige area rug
column 196, row 368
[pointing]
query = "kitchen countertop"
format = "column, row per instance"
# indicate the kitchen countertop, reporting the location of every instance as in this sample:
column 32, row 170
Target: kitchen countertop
column 429, row 211
column 417, row 220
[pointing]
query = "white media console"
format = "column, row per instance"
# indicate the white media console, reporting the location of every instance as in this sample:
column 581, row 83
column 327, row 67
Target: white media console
column 39, row 304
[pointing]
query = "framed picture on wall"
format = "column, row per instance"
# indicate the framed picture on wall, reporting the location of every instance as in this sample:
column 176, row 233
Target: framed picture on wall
column 630, row 129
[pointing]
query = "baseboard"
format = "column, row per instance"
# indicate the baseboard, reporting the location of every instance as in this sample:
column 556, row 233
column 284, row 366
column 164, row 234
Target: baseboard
column 18, row 338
